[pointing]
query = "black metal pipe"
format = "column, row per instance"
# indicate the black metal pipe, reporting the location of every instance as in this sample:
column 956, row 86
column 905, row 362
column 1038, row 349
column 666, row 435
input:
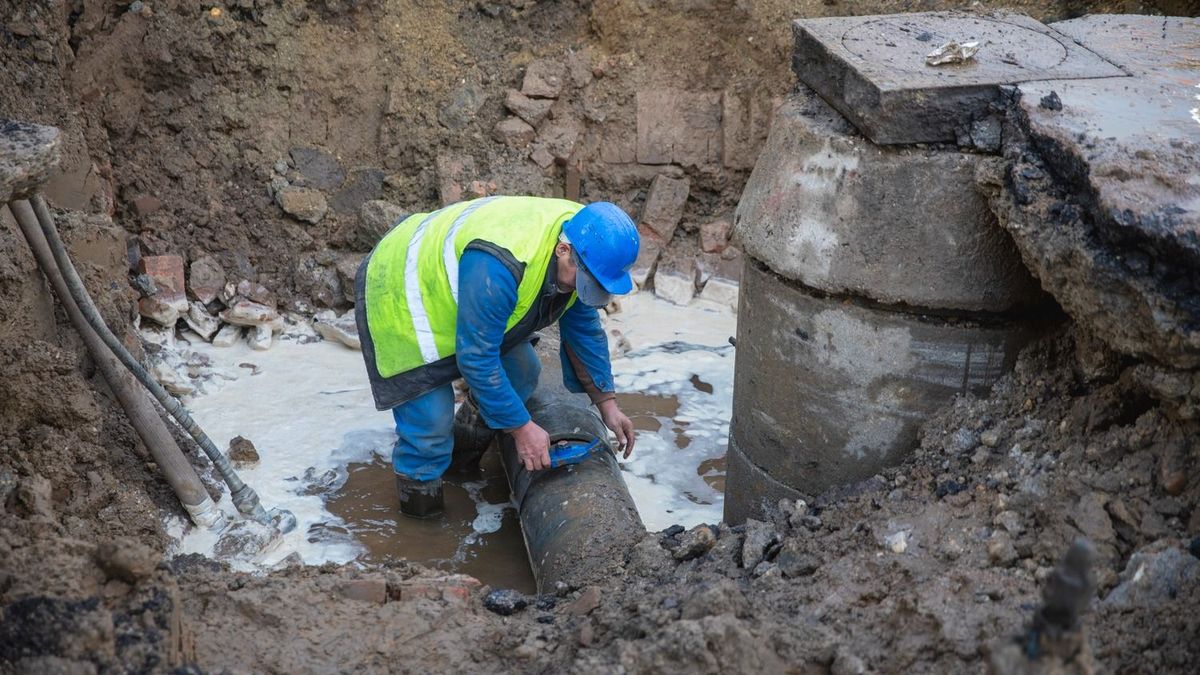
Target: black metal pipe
column 579, row 520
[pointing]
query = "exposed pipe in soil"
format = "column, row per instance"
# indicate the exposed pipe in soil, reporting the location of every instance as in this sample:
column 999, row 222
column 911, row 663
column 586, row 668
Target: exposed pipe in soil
column 244, row 497
column 147, row 423
column 578, row 520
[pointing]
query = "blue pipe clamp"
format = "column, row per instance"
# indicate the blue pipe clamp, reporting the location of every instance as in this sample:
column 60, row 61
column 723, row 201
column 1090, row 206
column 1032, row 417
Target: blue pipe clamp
column 572, row 452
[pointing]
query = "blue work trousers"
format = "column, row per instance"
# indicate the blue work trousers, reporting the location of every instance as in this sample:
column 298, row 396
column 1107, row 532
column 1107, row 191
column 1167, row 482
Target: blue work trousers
column 425, row 425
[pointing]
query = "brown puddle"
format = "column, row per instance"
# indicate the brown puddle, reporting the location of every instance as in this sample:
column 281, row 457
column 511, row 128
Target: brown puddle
column 649, row 413
column 368, row 505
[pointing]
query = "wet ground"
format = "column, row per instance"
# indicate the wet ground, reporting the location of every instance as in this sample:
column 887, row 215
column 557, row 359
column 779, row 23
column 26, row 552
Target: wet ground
column 325, row 451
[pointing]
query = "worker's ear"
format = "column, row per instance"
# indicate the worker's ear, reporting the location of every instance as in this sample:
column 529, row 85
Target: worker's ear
column 562, row 249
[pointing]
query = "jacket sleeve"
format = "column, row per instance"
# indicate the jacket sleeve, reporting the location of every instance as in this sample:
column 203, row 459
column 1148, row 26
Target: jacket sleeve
column 584, row 353
column 487, row 296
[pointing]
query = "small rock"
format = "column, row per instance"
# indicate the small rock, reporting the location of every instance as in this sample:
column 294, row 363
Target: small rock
column 464, row 104
column 949, row 487
column 990, row 438
column 1001, row 551
column 951, row 548
column 375, row 219
column 169, row 300
column 559, row 137
column 242, row 452
column 513, row 132
column 587, row 635
column 587, row 601
column 304, row 204
column 227, row 336
column 245, row 540
column 205, row 279
column 1173, row 481
column 1155, row 575
column 249, row 313
column 846, row 663
column 759, row 536
column 897, row 542
column 674, row 530
column 262, row 338
column 343, row 329
column 963, row 440
column 695, row 543
column 543, row 79
column 714, row 237
column 316, row 168
column 200, row 320
column 505, row 601
column 713, row 599
column 531, row 110
column 1051, row 101
column 1010, row 521
column 794, row 562
column 541, row 156
column 126, row 559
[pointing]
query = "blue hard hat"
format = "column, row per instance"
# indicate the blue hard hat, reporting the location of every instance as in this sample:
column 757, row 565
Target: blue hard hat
column 606, row 241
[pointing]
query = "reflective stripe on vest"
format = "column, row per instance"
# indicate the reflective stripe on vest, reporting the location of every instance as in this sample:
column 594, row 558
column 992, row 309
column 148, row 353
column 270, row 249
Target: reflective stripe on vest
column 412, row 276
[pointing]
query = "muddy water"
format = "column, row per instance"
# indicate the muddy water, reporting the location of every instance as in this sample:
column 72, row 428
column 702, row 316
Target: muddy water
column 479, row 535
column 325, row 450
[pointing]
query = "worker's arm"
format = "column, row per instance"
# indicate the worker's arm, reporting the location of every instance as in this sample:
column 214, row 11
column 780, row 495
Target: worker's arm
column 586, row 368
column 487, row 295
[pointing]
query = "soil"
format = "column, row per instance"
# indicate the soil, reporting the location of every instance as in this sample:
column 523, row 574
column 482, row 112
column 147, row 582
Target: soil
column 174, row 118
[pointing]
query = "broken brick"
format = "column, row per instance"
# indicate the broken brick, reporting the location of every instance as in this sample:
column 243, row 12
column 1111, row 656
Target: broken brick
column 531, row 110
column 664, row 205
column 543, row 79
column 714, row 236
column 514, row 132
column 678, row 127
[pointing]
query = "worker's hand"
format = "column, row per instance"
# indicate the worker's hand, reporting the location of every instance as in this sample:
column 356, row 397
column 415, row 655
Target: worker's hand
column 620, row 424
column 533, row 446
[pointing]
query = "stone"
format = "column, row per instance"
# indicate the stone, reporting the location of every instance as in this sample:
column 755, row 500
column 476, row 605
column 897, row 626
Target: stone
column 29, row 154
column 505, row 601
column 169, row 301
column 304, row 204
column 513, row 132
column 759, row 537
column 256, row 292
column 714, row 598
column 341, row 329
column 242, row 452
column 200, row 320
column 990, row 437
column 543, row 79
column 126, row 559
column 319, row 282
column 1107, row 216
column 347, row 269
column 675, row 280
column 1000, row 549
column 860, row 381
column 745, row 121
column 664, row 205
column 643, row 267
column 714, row 236
column 532, row 110
column 375, row 219
column 872, row 68
column 794, row 561
column 678, row 127
column 586, row 603
column 261, row 339
column 144, row 205
column 362, row 186
column 317, row 169
column 453, row 172
column 372, row 590
column 227, row 336
column 1093, row 520
column 896, row 542
column 1153, row 576
column 464, row 105
column 695, row 543
column 821, row 195
column 559, row 137
column 206, row 278
column 541, row 156
column 245, row 312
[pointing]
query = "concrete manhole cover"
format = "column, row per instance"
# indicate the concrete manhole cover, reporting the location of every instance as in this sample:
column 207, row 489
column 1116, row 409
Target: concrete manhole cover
column 901, row 43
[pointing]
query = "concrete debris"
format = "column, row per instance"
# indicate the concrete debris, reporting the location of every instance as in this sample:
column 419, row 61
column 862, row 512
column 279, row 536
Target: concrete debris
column 341, row 329
column 647, row 259
column 171, row 379
column 244, row 312
column 304, row 204
column 157, row 335
column 722, row 292
column 676, row 284
column 200, row 320
column 262, row 337
column 206, row 278
column 543, row 79
column 664, row 205
column 227, row 336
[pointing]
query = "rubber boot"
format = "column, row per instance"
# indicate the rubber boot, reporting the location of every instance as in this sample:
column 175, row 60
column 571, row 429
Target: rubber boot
column 420, row 498
column 471, row 440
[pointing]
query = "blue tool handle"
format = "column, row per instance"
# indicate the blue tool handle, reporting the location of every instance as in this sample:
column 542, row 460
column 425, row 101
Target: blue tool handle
column 571, row 453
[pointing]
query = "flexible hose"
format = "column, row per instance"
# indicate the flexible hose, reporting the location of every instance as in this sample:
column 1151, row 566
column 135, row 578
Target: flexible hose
column 244, row 497
column 180, row 474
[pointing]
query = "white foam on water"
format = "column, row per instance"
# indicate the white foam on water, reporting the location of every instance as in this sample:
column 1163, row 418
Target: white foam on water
column 310, row 414
column 671, row 344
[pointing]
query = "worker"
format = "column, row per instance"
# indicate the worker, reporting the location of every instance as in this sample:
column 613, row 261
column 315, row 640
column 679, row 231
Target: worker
column 460, row 292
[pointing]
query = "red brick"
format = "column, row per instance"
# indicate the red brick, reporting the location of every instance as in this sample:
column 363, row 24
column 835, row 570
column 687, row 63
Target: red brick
column 664, row 205
column 714, row 236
